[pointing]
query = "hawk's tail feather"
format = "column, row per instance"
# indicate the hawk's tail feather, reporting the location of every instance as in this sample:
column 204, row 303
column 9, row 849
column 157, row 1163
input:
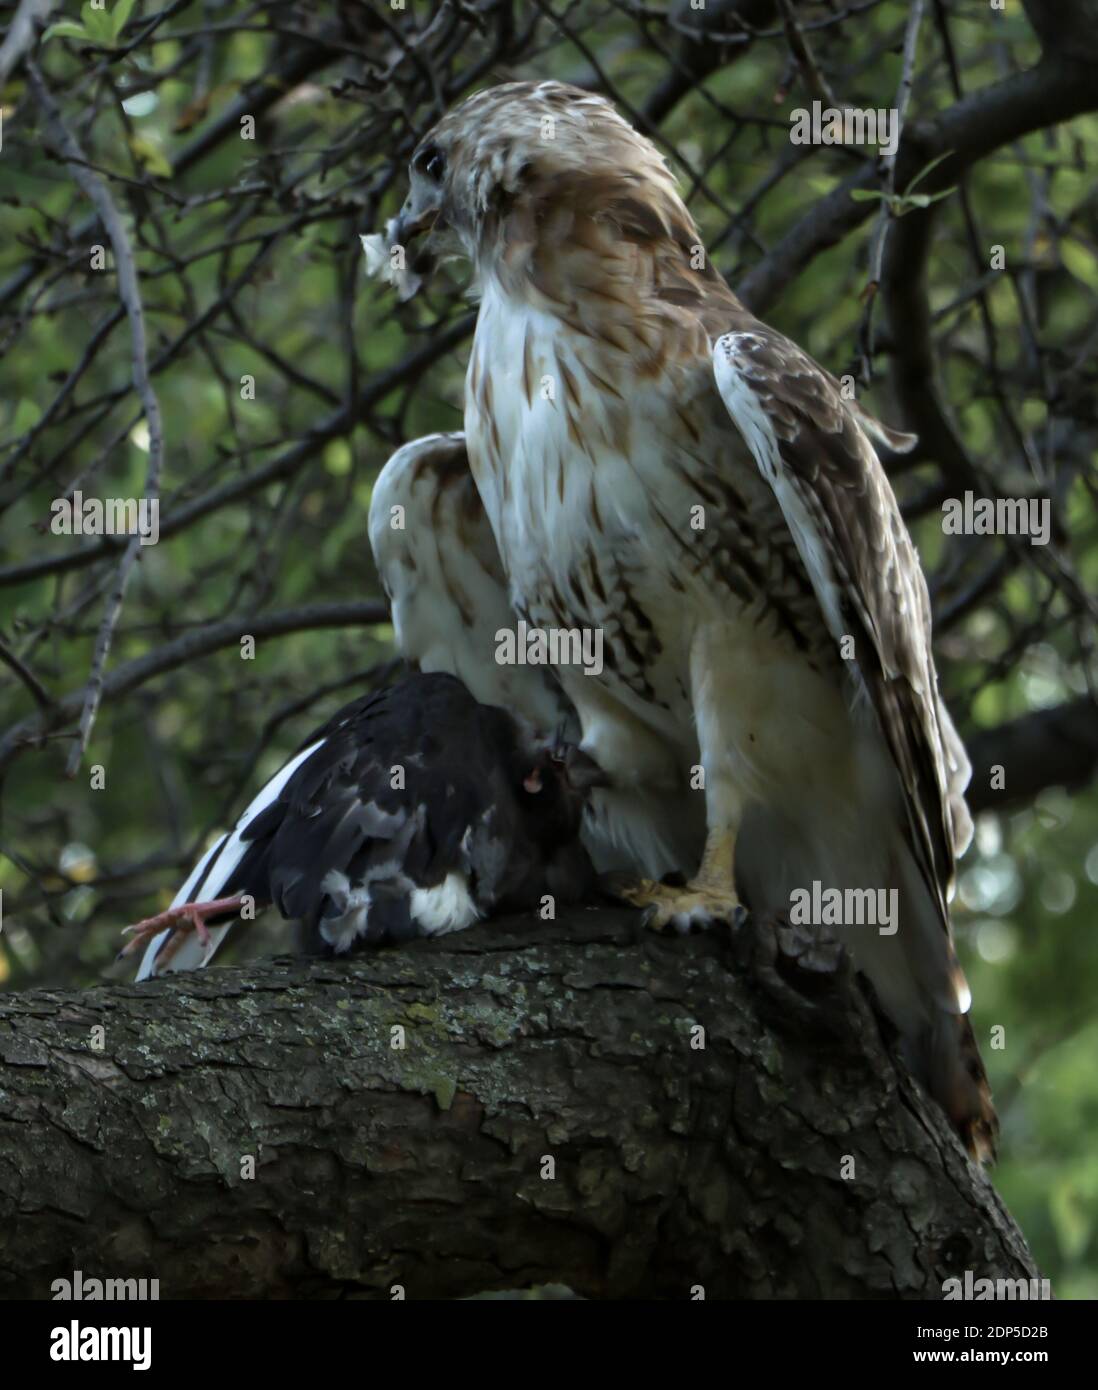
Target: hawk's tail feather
column 899, row 441
column 958, row 1082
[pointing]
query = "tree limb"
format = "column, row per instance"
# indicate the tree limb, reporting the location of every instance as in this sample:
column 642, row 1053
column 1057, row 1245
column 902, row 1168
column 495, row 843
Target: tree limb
column 550, row 1118
column 1055, row 747
column 698, row 57
column 20, row 38
column 1055, row 89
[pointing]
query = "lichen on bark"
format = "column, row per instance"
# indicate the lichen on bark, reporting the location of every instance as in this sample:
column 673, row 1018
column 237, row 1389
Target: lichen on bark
column 550, row 1118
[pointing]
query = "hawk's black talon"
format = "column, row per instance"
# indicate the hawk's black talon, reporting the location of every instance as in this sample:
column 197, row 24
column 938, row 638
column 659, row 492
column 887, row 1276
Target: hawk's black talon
column 648, row 916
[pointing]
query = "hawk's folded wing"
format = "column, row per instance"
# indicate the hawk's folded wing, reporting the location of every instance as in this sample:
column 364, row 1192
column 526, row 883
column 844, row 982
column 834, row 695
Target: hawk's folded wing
column 439, row 564
column 815, row 450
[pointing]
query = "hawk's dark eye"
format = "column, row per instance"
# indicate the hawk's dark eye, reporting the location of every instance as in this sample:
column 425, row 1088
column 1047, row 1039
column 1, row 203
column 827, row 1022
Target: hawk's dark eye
column 430, row 162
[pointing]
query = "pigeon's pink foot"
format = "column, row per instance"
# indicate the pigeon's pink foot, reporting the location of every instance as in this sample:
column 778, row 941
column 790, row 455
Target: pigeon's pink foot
column 185, row 918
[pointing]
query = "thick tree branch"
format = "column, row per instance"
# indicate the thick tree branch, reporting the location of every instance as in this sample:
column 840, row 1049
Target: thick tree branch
column 551, row 1117
column 698, row 57
column 1055, row 747
column 1066, row 27
column 20, row 38
column 1056, row 89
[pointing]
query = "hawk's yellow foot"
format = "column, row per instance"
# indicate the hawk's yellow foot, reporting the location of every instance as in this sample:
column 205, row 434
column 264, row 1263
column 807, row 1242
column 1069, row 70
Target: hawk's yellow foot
column 709, row 897
column 693, row 907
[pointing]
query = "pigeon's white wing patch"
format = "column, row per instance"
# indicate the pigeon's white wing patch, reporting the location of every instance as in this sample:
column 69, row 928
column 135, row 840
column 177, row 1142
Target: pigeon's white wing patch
column 447, row 908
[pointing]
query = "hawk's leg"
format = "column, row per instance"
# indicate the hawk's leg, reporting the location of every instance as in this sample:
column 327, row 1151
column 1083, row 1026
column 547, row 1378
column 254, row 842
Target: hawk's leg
column 709, row 897
column 185, row 918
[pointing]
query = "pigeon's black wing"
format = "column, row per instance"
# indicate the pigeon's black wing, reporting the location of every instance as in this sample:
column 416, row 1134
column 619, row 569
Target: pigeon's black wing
column 366, row 838
column 413, row 811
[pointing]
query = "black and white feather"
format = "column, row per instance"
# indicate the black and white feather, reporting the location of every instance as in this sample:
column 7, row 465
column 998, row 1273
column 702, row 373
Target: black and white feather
column 415, row 811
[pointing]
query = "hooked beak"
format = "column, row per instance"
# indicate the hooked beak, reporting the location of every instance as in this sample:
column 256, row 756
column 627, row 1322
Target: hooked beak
column 414, row 218
column 419, row 214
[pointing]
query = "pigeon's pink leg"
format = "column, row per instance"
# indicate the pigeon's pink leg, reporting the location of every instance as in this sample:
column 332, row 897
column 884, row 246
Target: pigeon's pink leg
column 187, row 917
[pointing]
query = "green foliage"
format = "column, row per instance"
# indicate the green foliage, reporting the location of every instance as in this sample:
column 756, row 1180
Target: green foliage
column 99, row 27
column 899, row 203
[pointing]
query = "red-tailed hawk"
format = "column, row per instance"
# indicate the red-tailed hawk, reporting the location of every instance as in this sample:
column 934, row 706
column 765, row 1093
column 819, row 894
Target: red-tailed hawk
column 413, row 812
column 649, row 462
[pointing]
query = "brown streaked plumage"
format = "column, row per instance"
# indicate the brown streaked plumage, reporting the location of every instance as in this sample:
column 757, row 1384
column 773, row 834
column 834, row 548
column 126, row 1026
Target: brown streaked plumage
column 697, row 490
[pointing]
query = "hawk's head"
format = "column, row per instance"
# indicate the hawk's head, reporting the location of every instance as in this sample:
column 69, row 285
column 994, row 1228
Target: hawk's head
column 520, row 163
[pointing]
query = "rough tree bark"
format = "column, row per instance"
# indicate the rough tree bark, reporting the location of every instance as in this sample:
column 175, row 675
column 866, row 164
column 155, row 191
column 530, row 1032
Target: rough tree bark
column 676, row 1165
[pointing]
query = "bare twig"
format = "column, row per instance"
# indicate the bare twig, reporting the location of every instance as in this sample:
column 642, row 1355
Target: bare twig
column 814, row 78
column 129, row 291
column 201, row 641
column 292, row 458
column 254, row 98
column 1041, row 96
column 26, row 675
column 887, row 210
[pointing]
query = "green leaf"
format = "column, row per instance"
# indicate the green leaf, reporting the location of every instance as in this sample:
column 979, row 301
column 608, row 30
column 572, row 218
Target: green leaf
column 1081, row 261
column 119, row 16
column 920, row 200
column 67, row 29
column 27, row 415
column 151, row 156
column 865, row 195
column 927, row 168
column 99, row 25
